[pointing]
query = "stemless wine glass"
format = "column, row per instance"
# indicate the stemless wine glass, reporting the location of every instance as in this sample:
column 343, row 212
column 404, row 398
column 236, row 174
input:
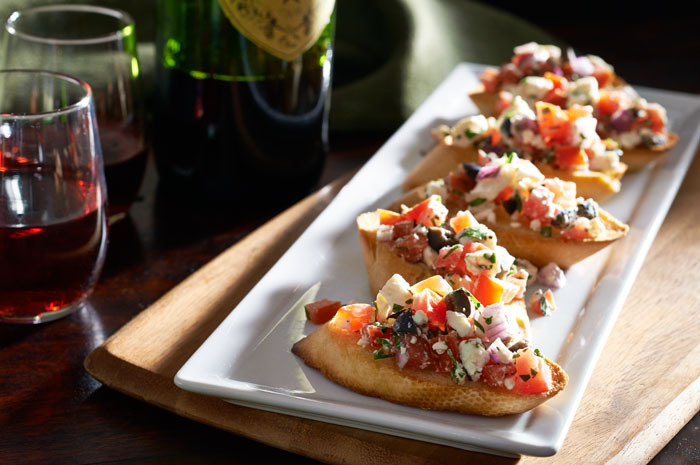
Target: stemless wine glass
column 53, row 228
column 97, row 45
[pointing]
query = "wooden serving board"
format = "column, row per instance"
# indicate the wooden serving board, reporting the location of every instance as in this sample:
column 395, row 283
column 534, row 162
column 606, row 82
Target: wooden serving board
column 645, row 387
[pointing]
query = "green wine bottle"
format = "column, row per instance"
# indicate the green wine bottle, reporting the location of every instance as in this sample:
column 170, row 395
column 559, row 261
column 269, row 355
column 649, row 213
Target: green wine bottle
column 242, row 110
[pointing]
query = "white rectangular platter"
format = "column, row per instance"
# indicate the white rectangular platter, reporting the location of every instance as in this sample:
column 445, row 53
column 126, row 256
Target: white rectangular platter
column 247, row 359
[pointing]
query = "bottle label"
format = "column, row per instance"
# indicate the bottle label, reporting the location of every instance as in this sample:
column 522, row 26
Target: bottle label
column 283, row 28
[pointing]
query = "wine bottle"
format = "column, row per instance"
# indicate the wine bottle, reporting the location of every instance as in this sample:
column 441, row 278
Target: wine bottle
column 242, row 98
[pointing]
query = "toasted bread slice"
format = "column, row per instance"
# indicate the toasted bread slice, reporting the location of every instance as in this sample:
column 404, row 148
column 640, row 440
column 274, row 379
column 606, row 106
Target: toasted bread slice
column 338, row 356
column 445, row 157
column 596, row 185
column 523, row 242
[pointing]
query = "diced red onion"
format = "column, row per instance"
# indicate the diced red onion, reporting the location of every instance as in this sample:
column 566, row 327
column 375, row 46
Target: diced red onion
column 499, row 326
column 623, row 120
column 551, row 275
column 488, row 172
column 526, row 123
column 558, row 71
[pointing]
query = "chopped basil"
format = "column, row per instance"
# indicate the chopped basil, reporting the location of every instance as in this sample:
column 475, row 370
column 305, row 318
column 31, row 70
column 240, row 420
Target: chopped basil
column 544, row 306
column 546, row 231
column 533, row 372
column 474, row 300
column 473, row 233
column 396, row 308
column 457, row 191
column 454, row 374
column 383, row 342
column 470, row 134
column 452, row 283
column 379, row 353
column 478, row 325
column 488, row 320
column 397, row 340
column 509, row 157
column 538, row 353
column 525, row 377
column 452, row 249
column 409, row 301
column 516, row 355
column 477, row 201
column 491, row 257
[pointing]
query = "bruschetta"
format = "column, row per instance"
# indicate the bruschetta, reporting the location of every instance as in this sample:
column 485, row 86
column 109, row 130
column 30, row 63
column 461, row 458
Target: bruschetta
column 538, row 73
column 540, row 219
column 561, row 143
column 435, row 348
column 422, row 241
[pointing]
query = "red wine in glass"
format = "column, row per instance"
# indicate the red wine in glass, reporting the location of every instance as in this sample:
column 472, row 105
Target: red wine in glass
column 125, row 156
column 48, row 262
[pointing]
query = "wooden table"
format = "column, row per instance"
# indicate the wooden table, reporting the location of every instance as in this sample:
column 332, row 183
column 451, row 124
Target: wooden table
column 52, row 411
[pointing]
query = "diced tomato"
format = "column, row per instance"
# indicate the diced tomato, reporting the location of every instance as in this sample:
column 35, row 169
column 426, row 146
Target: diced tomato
column 353, row 317
column 450, row 259
column 504, row 195
column 533, row 374
column 555, row 97
column 569, row 157
column 438, row 316
column 608, row 103
column 495, row 374
column 418, row 352
column 505, row 99
column 604, row 76
column 487, row 290
column 322, row 311
column 491, row 78
column 559, row 82
column 553, row 122
column 537, row 204
column 458, row 183
column 657, row 115
column 429, row 212
column 542, row 303
column 442, row 362
column 372, row 332
column 510, row 74
column 576, row 112
column 426, row 301
column 495, row 135
column 388, row 217
column 579, row 230
column 411, row 247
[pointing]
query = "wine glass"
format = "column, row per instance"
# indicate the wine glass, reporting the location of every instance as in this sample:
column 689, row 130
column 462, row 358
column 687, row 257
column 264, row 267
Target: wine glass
column 53, row 230
column 97, row 45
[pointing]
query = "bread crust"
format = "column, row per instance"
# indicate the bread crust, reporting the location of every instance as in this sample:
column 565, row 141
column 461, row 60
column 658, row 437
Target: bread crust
column 337, row 355
column 445, row 157
column 522, row 242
